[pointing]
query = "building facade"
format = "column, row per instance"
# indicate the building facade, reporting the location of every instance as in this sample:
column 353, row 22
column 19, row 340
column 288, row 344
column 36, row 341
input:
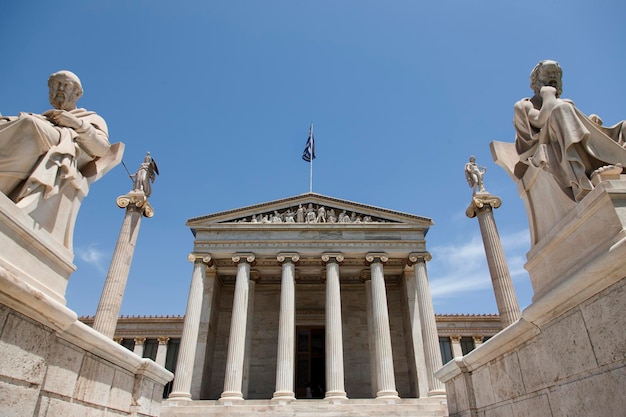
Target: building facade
column 302, row 299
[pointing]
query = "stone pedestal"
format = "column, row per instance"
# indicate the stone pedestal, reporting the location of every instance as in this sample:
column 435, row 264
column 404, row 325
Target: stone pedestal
column 51, row 364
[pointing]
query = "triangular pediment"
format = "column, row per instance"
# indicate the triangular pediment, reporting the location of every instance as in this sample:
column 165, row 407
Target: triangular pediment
column 311, row 209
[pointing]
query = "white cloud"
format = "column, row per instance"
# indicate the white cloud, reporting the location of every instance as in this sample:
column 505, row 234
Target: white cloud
column 93, row 256
column 458, row 269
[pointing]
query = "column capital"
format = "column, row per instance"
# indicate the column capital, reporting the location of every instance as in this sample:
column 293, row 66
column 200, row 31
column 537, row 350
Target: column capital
column 373, row 257
column 137, row 200
column 118, row 340
column 243, row 257
column 482, row 202
column 200, row 257
column 140, row 340
column 455, row 338
column 336, row 257
column 288, row 257
column 163, row 340
column 478, row 339
column 415, row 257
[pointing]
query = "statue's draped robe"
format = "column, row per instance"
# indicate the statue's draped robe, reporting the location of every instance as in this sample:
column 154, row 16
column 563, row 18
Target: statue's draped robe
column 570, row 146
column 36, row 155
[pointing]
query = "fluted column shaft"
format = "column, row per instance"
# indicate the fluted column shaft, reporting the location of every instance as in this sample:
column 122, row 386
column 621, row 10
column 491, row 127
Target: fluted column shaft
column 430, row 336
column 417, row 342
column 108, row 310
column 162, row 351
column 140, row 343
column 334, row 337
column 382, row 335
column 455, row 342
column 237, row 339
column 189, row 340
column 506, row 299
column 285, row 360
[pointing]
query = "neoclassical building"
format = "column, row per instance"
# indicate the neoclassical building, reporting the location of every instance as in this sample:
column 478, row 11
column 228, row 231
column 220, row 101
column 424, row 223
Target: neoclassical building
column 307, row 298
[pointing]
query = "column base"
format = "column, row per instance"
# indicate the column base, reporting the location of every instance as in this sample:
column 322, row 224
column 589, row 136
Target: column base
column 230, row 396
column 336, row 395
column 437, row 392
column 284, row 396
column 387, row 395
column 178, row 395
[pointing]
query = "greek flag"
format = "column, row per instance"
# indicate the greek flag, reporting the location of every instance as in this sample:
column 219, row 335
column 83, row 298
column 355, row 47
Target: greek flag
column 309, row 148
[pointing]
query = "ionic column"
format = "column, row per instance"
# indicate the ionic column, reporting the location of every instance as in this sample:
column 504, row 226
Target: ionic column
column 233, row 377
column 382, row 335
column 478, row 340
column 455, row 341
column 255, row 276
column 416, row 341
column 139, row 346
column 285, row 359
column 136, row 204
column 334, row 337
column 118, row 340
column 482, row 206
column 181, row 390
column 371, row 340
column 162, row 351
column 430, row 337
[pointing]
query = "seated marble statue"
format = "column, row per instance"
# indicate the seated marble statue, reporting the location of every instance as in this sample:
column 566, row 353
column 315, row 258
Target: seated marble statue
column 48, row 161
column 551, row 133
column 39, row 152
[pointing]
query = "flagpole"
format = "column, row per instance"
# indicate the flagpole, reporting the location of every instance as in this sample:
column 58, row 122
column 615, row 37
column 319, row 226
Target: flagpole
column 311, row 162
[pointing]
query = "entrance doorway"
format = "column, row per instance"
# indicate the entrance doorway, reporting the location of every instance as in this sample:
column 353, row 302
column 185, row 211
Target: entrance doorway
column 310, row 368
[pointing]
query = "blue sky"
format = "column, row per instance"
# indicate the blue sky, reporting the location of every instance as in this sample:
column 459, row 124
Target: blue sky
column 222, row 93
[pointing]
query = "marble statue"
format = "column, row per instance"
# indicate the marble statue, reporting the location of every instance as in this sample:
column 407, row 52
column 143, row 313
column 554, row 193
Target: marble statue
column 474, row 175
column 551, row 133
column 49, row 160
column 300, row 214
column 321, row 215
column 145, row 175
column 310, row 214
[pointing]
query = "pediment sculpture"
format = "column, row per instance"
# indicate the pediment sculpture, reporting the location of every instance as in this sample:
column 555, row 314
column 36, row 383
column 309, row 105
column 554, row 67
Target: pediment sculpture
column 309, row 214
column 49, row 160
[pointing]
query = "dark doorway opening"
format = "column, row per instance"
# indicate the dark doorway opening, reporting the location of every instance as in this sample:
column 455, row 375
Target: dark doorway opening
column 310, row 368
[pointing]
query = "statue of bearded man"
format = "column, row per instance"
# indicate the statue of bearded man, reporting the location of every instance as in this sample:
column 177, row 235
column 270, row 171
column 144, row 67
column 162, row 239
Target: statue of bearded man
column 48, row 161
column 39, row 152
column 554, row 135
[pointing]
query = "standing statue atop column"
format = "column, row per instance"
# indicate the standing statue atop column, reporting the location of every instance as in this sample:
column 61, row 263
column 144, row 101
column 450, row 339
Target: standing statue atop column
column 474, row 175
column 49, row 160
column 554, row 135
column 145, row 175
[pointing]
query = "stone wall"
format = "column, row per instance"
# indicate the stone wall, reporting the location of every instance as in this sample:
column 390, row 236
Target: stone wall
column 44, row 375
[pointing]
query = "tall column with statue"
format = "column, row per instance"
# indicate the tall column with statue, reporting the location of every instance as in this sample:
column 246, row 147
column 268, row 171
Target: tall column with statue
column 137, row 206
column 482, row 206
